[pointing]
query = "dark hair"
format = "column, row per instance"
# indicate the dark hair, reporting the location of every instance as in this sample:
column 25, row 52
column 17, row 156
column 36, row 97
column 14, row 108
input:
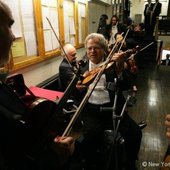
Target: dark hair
column 115, row 16
column 103, row 27
column 142, row 25
column 102, row 20
column 104, row 17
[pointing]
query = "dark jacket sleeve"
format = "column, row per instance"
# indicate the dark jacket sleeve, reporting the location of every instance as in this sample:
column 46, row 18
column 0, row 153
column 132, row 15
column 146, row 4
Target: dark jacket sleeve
column 157, row 10
column 65, row 75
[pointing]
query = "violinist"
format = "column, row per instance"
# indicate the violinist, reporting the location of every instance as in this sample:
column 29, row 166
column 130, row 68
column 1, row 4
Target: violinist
column 12, row 156
column 95, row 120
column 129, row 70
column 65, row 70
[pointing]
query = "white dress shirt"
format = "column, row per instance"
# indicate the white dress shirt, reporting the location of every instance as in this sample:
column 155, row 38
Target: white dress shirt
column 114, row 31
column 100, row 95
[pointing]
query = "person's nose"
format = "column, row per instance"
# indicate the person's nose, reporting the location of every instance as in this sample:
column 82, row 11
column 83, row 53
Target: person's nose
column 93, row 50
column 13, row 37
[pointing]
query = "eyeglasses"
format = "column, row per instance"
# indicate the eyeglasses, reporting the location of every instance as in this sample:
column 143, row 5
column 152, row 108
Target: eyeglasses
column 94, row 48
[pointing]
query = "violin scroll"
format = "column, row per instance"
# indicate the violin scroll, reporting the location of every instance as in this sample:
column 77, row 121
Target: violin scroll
column 131, row 65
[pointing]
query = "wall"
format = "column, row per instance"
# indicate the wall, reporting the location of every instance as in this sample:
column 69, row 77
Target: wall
column 95, row 11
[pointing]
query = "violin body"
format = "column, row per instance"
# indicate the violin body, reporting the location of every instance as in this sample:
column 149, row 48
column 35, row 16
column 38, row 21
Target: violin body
column 41, row 125
column 131, row 66
column 90, row 76
column 37, row 120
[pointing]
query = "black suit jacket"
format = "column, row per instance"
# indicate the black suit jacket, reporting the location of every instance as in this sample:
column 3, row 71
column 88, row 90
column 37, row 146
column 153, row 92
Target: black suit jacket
column 65, row 74
column 157, row 10
column 145, row 10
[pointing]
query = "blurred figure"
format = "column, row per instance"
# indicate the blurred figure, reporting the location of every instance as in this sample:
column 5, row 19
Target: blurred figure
column 147, row 18
column 115, row 27
column 103, row 27
column 154, row 14
column 136, row 36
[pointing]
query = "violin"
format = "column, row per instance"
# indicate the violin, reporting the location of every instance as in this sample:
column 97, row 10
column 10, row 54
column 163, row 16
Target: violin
column 117, row 57
column 131, row 65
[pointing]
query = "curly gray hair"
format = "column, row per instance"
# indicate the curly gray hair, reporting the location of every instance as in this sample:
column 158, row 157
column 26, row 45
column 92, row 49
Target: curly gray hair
column 100, row 39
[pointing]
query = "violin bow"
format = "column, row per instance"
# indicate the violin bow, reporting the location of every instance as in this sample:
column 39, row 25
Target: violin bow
column 72, row 84
column 113, row 50
column 123, row 40
column 143, row 48
column 61, row 46
column 146, row 46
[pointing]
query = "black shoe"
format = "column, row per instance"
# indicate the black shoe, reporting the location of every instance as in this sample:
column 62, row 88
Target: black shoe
column 142, row 124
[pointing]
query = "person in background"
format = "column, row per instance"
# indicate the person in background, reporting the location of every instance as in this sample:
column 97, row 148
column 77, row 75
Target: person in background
column 136, row 36
column 114, row 28
column 147, row 18
column 154, row 14
column 65, row 69
column 11, row 156
column 128, row 22
column 103, row 27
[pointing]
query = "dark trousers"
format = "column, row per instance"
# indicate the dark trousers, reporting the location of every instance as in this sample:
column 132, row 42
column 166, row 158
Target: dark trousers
column 148, row 26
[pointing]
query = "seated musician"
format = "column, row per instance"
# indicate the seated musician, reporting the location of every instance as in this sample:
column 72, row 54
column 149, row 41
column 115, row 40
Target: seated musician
column 65, row 69
column 94, row 147
column 12, row 157
column 130, row 67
